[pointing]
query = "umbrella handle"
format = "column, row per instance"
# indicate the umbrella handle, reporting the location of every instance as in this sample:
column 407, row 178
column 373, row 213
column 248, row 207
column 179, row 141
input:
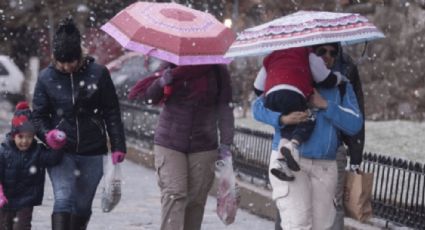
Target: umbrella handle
column 363, row 57
column 364, row 49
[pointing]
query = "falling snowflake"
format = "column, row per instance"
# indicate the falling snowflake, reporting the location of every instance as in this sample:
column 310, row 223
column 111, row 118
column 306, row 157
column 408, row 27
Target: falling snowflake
column 33, row 170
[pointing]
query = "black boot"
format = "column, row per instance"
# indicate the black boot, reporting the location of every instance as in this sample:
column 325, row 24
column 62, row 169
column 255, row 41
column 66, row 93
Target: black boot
column 79, row 222
column 61, row 221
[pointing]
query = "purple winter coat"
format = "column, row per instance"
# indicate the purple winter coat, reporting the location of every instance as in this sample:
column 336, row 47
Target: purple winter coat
column 190, row 124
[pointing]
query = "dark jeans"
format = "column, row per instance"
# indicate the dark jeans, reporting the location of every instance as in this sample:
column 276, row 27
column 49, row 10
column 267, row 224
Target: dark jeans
column 74, row 182
column 23, row 219
column 286, row 101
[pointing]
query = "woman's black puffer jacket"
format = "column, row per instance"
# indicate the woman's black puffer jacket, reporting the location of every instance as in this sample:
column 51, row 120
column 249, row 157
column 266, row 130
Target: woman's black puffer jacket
column 83, row 104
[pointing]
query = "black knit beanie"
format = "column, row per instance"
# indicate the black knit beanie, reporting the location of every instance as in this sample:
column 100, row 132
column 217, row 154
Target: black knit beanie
column 67, row 42
column 21, row 121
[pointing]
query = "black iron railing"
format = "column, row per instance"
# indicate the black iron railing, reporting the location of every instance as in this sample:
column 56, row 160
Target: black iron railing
column 399, row 185
column 399, row 189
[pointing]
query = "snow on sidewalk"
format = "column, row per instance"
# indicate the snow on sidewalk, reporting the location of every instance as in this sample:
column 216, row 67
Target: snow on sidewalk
column 139, row 207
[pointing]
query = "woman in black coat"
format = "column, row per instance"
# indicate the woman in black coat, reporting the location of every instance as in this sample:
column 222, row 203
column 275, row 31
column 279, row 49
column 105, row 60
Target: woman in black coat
column 77, row 96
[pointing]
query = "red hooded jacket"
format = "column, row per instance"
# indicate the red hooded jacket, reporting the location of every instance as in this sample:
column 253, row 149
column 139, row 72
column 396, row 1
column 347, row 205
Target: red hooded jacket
column 290, row 67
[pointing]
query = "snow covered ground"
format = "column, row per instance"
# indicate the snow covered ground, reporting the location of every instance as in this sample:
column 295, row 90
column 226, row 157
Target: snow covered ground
column 400, row 139
column 403, row 139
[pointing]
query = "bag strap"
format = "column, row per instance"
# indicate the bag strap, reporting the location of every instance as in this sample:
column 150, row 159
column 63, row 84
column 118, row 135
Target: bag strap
column 342, row 88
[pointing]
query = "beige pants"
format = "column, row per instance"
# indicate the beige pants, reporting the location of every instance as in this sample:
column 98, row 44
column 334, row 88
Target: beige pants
column 341, row 162
column 308, row 201
column 184, row 181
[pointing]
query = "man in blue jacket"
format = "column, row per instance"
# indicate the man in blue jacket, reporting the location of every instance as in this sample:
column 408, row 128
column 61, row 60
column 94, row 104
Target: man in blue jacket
column 307, row 202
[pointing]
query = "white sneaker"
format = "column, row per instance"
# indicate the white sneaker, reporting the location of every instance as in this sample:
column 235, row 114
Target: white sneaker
column 282, row 171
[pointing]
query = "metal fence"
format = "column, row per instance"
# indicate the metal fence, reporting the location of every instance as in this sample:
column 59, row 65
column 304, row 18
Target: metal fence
column 399, row 185
column 399, row 189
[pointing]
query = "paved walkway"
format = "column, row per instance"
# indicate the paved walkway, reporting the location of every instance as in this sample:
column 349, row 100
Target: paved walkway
column 139, row 207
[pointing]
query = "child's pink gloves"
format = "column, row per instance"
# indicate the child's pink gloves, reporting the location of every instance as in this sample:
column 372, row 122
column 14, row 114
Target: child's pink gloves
column 3, row 199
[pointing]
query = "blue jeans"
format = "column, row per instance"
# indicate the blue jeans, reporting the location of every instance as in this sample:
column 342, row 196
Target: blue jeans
column 75, row 181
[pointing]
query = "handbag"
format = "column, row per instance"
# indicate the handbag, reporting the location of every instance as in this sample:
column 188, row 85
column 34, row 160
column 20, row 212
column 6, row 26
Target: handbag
column 227, row 192
column 358, row 195
column 111, row 192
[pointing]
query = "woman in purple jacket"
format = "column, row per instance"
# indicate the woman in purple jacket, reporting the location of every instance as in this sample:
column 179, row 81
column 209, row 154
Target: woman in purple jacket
column 196, row 110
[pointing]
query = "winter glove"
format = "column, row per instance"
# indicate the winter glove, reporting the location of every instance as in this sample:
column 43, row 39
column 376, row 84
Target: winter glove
column 318, row 68
column 3, row 199
column 166, row 78
column 224, row 151
column 117, row 157
column 55, row 139
column 355, row 168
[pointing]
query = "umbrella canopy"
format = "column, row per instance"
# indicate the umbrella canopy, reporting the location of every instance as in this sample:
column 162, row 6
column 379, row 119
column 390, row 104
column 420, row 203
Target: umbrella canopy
column 171, row 32
column 304, row 28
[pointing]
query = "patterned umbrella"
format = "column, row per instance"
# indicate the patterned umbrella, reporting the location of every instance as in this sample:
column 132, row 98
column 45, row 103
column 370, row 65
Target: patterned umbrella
column 304, row 28
column 171, row 32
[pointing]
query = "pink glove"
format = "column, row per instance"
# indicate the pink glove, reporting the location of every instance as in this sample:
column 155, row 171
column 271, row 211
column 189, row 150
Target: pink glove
column 117, row 157
column 56, row 139
column 224, row 151
column 3, row 199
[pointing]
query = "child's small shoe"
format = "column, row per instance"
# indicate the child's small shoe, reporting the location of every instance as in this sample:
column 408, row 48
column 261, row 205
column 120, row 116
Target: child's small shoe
column 282, row 171
column 287, row 151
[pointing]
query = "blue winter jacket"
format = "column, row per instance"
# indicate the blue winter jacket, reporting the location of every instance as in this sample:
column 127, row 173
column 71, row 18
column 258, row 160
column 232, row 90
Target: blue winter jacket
column 262, row 114
column 340, row 115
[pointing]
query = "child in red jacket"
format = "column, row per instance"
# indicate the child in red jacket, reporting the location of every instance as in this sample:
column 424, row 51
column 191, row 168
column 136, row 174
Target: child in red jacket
column 290, row 76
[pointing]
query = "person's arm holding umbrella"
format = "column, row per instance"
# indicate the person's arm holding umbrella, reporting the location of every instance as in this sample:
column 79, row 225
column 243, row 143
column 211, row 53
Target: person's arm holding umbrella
column 161, row 86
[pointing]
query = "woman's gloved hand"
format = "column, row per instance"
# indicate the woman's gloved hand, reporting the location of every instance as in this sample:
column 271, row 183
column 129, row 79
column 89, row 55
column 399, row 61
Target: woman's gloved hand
column 224, row 151
column 355, row 168
column 56, row 139
column 166, row 77
column 117, row 157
